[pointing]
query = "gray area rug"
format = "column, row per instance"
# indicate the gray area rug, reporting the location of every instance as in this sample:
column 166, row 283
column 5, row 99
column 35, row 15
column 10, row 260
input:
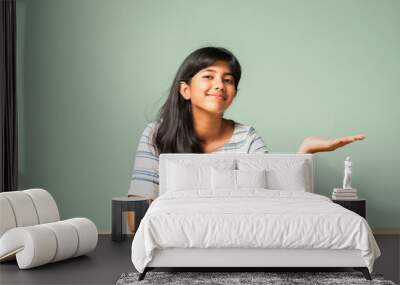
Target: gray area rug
column 226, row 278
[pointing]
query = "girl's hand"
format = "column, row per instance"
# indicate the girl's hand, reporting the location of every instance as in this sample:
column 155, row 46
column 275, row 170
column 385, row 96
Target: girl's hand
column 317, row 144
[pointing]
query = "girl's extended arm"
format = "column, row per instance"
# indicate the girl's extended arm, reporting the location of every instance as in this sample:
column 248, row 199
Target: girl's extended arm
column 317, row 144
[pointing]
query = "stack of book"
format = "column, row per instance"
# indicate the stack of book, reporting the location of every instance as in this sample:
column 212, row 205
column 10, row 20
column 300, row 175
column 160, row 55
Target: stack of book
column 344, row 194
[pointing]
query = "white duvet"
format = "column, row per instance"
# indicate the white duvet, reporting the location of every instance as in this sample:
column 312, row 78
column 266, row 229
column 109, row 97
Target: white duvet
column 251, row 218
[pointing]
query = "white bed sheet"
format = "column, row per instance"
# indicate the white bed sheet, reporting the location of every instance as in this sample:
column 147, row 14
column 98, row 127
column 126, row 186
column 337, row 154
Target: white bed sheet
column 250, row 218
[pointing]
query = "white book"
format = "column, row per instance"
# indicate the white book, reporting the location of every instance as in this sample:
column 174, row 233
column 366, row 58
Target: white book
column 344, row 198
column 341, row 190
column 345, row 194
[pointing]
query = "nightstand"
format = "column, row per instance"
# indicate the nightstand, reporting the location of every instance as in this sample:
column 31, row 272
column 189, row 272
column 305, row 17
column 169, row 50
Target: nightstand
column 124, row 204
column 358, row 206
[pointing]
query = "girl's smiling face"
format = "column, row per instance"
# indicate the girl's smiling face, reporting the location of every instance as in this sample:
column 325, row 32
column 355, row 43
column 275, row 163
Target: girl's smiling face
column 212, row 89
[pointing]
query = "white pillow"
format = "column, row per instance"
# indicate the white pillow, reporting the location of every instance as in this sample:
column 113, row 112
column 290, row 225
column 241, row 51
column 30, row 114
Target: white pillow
column 236, row 179
column 183, row 177
column 251, row 178
column 293, row 178
column 287, row 174
column 223, row 179
column 188, row 176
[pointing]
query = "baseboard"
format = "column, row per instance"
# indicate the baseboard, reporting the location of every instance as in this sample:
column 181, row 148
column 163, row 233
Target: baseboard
column 386, row 231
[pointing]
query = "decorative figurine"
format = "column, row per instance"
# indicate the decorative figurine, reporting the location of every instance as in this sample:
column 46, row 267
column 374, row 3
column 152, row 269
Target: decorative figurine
column 347, row 192
column 347, row 174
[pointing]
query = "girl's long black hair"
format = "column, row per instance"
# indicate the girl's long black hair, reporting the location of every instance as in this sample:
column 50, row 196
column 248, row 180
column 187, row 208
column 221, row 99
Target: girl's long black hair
column 175, row 132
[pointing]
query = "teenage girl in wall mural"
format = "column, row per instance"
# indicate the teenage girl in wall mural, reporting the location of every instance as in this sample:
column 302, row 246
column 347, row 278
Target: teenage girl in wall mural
column 191, row 120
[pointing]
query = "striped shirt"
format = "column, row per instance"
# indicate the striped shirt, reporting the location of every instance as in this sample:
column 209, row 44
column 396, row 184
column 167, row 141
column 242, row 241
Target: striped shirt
column 145, row 171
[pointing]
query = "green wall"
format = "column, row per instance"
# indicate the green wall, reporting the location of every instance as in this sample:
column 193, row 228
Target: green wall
column 92, row 73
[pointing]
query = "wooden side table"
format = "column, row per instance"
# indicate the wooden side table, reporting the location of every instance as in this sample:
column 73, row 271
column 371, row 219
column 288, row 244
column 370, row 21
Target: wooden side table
column 358, row 206
column 121, row 205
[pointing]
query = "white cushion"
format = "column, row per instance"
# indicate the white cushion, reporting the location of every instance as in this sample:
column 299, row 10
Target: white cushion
column 87, row 233
column 7, row 218
column 23, row 208
column 28, row 208
column 223, row 179
column 293, row 178
column 282, row 174
column 45, row 205
column 251, row 178
column 236, row 179
column 285, row 171
column 186, row 175
column 67, row 239
column 41, row 244
column 33, row 245
column 182, row 177
column 31, row 233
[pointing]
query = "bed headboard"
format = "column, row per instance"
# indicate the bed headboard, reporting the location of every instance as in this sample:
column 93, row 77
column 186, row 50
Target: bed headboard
column 241, row 161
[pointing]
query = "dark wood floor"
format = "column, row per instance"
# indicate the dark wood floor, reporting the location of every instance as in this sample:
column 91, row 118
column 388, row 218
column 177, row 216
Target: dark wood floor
column 110, row 260
column 102, row 266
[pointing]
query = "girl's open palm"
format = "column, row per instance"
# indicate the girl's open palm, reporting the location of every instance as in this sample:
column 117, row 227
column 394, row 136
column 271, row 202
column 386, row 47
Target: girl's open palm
column 317, row 144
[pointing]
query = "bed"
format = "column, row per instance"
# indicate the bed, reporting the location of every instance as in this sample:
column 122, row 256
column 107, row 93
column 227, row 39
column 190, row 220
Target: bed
column 247, row 210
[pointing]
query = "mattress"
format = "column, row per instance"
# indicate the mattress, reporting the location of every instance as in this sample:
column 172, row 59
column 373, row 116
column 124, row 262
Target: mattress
column 250, row 219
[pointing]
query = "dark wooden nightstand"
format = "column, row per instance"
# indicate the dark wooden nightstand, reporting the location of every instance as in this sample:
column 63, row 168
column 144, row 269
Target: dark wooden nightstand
column 124, row 204
column 358, row 206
